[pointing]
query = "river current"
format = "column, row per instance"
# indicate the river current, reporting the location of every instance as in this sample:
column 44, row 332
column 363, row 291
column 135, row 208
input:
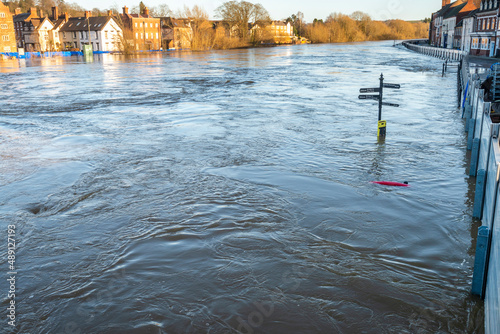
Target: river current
column 229, row 191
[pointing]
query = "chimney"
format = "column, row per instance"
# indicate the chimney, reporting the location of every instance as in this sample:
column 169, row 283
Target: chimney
column 55, row 13
column 88, row 14
column 66, row 17
column 445, row 2
column 18, row 11
column 33, row 12
column 146, row 11
column 110, row 13
column 125, row 10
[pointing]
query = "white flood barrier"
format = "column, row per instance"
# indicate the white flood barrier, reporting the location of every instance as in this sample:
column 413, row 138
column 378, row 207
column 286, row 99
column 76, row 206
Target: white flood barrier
column 482, row 126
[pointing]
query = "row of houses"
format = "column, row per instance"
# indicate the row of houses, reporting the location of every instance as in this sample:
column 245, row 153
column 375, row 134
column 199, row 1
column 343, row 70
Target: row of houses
column 32, row 32
column 464, row 26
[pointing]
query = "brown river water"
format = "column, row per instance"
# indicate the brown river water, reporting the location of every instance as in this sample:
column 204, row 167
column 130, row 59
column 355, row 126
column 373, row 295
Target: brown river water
column 229, row 191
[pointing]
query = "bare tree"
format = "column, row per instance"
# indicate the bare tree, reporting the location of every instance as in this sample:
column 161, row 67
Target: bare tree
column 238, row 14
column 162, row 10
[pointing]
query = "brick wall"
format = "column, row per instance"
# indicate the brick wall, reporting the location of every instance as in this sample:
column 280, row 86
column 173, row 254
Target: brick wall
column 7, row 34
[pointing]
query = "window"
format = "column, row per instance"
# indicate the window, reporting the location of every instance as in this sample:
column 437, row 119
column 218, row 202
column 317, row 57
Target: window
column 2, row 14
column 142, row 36
column 5, row 38
column 157, row 25
column 488, row 24
column 64, row 35
column 156, row 35
column 136, row 24
column 147, row 36
column 136, row 35
column 56, row 34
column 140, row 25
column 6, row 49
column 106, row 34
column 151, row 25
column 74, row 34
column 4, row 26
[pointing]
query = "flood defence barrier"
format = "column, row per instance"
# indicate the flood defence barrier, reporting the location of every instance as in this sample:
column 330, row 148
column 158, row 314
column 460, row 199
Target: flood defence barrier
column 448, row 54
column 482, row 127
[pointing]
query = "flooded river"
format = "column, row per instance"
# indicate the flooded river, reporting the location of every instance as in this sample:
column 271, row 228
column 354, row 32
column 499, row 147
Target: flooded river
column 230, row 191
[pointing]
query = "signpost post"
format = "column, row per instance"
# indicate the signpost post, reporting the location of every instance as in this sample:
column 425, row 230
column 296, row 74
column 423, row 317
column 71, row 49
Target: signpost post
column 380, row 90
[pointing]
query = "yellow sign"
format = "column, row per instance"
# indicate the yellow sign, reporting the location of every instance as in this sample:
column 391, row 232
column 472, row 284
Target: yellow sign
column 381, row 128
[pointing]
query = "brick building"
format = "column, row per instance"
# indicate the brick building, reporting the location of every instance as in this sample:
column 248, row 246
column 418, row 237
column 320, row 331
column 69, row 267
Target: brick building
column 145, row 29
column 7, row 34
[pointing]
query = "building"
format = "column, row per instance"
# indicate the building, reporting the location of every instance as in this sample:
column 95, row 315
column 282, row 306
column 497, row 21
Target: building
column 145, row 29
column 282, row 32
column 103, row 33
column 451, row 18
column 39, row 37
column 176, row 33
column 23, row 25
column 467, row 29
column 483, row 38
column 7, row 33
column 436, row 29
column 58, row 21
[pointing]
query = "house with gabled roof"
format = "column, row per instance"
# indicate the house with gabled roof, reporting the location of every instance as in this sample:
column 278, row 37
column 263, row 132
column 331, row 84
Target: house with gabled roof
column 451, row 18
column 436, row 28
column 102, row 32
column 58, row 21
column 38, row 38
column 23, row 24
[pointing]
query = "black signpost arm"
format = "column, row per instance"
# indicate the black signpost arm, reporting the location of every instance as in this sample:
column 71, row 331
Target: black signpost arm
column 380, row 90
column 380, row 98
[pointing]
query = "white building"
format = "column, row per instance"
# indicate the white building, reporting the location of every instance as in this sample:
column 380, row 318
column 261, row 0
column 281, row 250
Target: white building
column 103, row 33
column 467, row 29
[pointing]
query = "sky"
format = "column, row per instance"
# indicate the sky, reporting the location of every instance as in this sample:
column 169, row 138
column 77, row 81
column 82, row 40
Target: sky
column 281, row 9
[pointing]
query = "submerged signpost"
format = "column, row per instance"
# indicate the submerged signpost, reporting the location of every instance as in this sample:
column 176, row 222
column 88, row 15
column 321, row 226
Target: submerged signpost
column 380, row 90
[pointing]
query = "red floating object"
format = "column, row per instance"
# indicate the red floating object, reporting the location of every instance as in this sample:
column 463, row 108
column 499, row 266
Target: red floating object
column 390, row 183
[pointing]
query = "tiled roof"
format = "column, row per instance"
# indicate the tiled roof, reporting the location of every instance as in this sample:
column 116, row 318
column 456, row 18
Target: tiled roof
column 80, row 23
column 454, row 11
column 21, row 17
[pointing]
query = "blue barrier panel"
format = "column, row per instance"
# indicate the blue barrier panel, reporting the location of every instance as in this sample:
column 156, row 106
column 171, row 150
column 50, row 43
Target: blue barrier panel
column 470, row 135
column 482, row 114
column 490, row 188
column 479, row 194
column 492, row 294
column 480, row 262
column 474, row 156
